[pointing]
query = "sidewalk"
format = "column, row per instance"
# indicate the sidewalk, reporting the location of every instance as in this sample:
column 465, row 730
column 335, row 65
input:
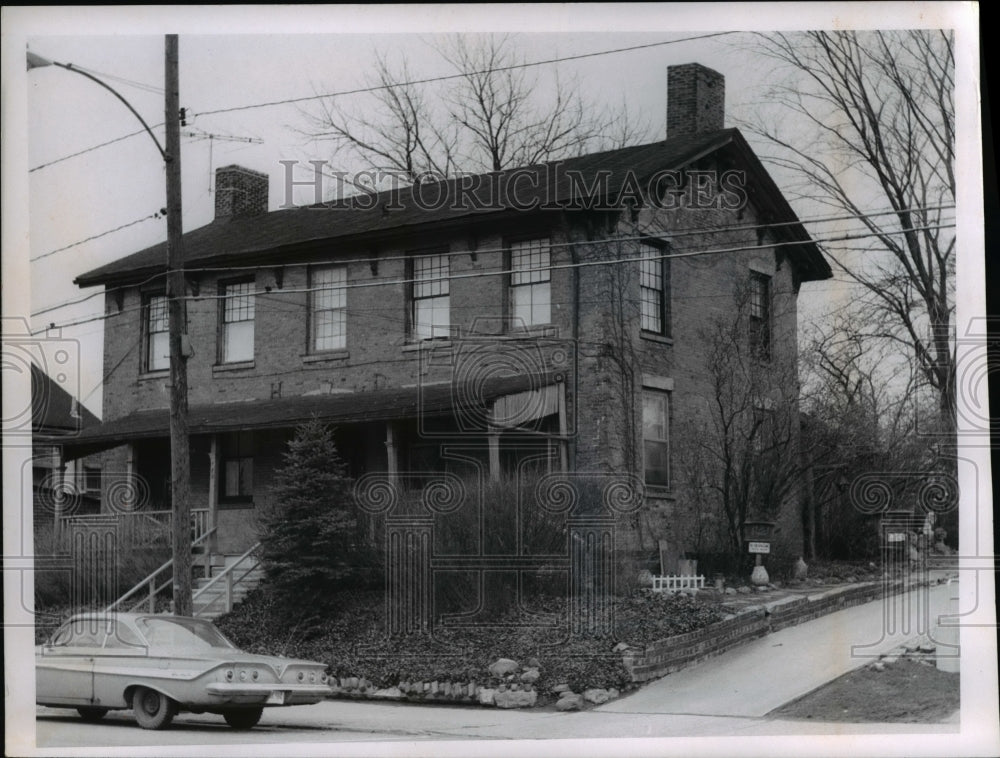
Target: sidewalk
column 753, row 679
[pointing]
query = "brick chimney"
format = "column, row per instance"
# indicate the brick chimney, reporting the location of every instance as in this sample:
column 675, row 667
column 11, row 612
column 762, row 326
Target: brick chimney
column 696, row 100
column 240, row 192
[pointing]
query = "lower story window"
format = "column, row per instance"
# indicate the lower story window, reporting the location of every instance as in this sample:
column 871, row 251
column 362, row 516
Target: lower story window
column 656, row 437
column 236, row 480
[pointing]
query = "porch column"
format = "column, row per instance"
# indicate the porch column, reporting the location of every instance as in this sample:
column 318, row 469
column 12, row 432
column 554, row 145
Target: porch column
column 494, row 440
column 213, row 492
column 131, row 474
column 57, row 481
column 563, row 437
column 391, row 450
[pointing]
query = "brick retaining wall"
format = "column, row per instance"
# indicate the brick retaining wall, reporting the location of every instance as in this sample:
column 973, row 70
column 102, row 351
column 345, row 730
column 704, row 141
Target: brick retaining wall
column 676, row 653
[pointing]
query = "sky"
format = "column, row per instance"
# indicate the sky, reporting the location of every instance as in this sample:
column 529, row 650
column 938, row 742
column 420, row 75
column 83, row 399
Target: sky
column 228, row 65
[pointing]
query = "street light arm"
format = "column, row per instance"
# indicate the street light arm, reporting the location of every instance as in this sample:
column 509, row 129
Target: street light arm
column 35, row 61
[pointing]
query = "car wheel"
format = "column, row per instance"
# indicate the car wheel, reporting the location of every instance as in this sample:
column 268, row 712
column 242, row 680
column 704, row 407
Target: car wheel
column 244, row 718
column 92, row 713
column 153, row 710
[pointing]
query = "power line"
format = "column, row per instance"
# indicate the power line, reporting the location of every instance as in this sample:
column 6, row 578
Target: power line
column 362, row 90
column 447, row 77
column 675, row 233
column 121, row 79
column 89, row 149
column 158, row 214
column 503, row 272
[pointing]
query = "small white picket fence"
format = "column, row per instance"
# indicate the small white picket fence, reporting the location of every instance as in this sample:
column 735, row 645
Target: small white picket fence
column 678, row 583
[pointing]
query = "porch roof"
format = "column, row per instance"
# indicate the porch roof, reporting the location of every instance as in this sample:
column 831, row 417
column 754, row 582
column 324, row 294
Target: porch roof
column 353, row 407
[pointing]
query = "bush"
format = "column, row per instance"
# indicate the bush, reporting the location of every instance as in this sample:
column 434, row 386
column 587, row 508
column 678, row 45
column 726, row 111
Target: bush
column 101, row 583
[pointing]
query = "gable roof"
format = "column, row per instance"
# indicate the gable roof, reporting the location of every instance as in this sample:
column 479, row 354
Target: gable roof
column 53, row 409
column 554, row 186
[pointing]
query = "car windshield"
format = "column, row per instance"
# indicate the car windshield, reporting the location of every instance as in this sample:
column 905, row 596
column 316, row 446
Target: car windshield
column 184, row 633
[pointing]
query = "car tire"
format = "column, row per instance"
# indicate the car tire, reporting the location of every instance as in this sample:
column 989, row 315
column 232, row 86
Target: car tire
column 152, row 709
column 243, row 718
column 91, row 712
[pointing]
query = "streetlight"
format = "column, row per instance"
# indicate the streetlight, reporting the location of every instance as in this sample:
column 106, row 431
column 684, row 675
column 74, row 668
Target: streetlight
column 179, row 447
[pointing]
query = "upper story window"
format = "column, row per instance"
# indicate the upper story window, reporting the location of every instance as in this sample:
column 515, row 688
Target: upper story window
column 656, row 437
column 760, row 315
column 328, row 308
column 530, row 283
column 430, row 301
column 157, row 353
column 237, row 321
column 654, row 290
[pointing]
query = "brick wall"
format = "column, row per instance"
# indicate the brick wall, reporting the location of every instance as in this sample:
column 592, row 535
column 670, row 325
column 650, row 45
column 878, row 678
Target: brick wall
column 378, row 354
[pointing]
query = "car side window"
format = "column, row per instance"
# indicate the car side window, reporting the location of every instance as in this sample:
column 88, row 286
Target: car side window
column 79, row 634
column 122, row 636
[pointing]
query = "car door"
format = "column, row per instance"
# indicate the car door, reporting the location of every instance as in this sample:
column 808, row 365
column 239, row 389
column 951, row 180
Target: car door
column 64, row 669
column 122, row 661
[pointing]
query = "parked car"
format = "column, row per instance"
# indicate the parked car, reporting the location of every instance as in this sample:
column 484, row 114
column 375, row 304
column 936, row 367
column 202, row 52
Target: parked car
column 158, row 665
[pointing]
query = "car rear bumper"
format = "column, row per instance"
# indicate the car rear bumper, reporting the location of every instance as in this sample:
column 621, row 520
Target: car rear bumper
column 268, row 694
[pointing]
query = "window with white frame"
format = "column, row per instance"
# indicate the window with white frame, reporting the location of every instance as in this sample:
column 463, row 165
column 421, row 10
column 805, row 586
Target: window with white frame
column 654, row 290
column 328, row 308
column 430, row 301
column 237, row 321
column 157, row 356
column 656, row 437
column 530, row 283
column 760, row 315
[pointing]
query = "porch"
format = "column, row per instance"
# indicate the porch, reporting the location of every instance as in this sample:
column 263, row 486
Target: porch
column 236, row 449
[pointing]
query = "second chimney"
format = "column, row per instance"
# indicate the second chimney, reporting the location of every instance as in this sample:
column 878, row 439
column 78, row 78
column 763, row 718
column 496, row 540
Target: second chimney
column 240, row 192
column 696, row 100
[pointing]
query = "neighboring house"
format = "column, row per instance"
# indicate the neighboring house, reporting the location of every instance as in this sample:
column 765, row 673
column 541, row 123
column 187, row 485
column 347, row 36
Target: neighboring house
column 60, row 488
column 474, row 324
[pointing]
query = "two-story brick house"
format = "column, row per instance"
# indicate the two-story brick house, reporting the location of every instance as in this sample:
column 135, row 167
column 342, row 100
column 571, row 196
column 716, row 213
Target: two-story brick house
column 548, row 315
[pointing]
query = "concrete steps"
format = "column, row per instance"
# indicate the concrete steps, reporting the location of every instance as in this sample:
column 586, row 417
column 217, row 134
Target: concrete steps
column 212, row 602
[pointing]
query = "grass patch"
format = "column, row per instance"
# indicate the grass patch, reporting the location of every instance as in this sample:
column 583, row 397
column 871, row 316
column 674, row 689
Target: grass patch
column 904, row 692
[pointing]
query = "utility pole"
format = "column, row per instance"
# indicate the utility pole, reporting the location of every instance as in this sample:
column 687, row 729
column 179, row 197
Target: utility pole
column 177, row 324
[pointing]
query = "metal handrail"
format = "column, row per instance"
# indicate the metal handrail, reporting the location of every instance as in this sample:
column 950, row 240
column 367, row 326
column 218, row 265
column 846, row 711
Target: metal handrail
column 151, row 579
column 228, row 577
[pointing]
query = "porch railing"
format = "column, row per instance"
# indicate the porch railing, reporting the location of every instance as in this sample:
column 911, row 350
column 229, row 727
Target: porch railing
column 234, row 573
column 150, row 587
column 136, row 528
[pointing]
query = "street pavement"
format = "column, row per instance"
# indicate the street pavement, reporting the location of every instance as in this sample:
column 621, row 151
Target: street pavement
column 728, row 695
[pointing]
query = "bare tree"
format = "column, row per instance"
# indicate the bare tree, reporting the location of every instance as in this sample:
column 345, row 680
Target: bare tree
column 396, row 131
column 857, row 425
column 742, row 458
column 490, row 113
column 869, row 127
